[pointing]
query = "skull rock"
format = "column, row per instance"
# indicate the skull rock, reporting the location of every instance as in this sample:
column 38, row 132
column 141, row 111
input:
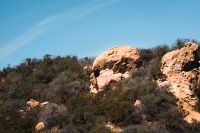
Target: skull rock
column 114, row 65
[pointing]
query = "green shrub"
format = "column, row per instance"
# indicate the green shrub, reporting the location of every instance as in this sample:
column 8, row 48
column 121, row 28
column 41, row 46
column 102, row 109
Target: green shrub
column 156, row 104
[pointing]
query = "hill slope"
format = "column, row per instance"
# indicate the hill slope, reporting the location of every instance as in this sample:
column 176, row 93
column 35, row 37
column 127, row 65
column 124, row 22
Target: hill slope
column 62, row 82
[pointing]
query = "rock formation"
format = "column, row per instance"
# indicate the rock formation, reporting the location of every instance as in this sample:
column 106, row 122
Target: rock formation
column 33, row 103
column 114, row 65
column 182, row 69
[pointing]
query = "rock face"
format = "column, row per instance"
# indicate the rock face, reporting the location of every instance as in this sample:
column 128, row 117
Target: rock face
column 114, row 65
column 182, row 70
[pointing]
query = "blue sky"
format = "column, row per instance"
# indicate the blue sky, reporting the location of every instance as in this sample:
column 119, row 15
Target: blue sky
column 33, row 28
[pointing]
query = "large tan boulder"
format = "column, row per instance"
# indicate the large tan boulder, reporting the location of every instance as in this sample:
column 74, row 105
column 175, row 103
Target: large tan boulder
column 114, row 65
column 182, row 69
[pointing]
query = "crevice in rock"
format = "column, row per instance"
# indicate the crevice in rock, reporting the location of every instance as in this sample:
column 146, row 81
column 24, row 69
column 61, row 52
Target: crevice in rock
column 120, row 67
column 191, row 65
column 198, row 94
column 96, row 73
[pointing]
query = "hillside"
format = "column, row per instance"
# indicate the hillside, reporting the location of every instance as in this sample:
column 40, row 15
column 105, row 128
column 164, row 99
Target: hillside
column 62, row 102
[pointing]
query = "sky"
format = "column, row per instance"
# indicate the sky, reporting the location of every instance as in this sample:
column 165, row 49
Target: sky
column 33, row 28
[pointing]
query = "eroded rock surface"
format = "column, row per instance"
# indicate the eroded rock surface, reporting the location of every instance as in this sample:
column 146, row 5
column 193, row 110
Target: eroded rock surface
column 114, row 65
column 182, row 69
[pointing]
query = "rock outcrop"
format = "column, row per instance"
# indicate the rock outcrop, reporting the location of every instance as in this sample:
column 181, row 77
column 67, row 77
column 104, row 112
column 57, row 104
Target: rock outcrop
column 182, row 69
column 114, row 65
column 33, row 103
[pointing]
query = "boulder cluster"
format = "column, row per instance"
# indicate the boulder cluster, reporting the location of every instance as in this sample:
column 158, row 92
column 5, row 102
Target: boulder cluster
column 181, row 67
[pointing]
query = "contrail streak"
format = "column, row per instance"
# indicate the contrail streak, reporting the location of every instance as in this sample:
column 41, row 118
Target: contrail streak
column 39, row 28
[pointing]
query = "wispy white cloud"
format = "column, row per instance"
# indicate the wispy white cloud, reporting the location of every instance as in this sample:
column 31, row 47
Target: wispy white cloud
column 39, row 28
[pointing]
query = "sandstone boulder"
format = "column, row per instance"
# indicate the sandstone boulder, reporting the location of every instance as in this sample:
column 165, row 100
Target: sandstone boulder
column 114, row 65
column 182, row 70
